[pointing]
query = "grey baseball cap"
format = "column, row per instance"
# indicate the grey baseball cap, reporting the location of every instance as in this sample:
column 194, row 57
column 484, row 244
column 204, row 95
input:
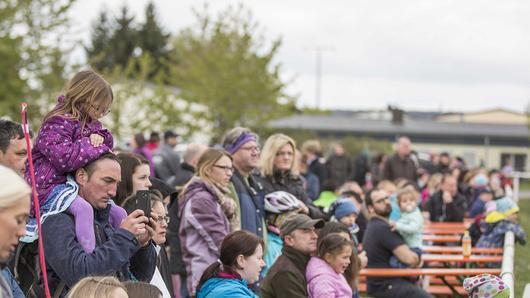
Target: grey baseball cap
column 300, row 221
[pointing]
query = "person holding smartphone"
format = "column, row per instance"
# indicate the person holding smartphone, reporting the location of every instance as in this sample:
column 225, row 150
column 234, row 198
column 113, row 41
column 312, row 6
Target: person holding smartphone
column 123, row 252
column 152, row 205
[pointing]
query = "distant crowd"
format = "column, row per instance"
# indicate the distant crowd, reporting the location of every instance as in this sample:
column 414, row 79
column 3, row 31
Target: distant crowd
column 239, row 219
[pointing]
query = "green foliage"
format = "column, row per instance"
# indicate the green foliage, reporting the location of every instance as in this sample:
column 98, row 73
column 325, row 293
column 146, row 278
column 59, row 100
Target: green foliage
column 154, row 41
column 141, row 104
column 223, row 64
column 97, row 52
column 33, row 62
column 114, row 43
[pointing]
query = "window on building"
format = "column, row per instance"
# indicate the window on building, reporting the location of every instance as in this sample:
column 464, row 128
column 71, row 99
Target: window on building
column 517, row 161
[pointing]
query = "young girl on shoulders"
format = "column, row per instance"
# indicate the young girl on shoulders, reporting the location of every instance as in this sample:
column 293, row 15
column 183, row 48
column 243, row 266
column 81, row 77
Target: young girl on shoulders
column 70, row 137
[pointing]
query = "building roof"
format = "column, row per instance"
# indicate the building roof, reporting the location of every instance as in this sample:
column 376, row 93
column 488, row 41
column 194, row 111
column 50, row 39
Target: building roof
column 410, row 127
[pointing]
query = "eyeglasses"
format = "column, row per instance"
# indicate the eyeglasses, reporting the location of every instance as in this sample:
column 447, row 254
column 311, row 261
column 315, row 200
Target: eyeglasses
column 251, row 149
column 160, row 219
column 225, row 168
column 104, row 113
column 381, row 200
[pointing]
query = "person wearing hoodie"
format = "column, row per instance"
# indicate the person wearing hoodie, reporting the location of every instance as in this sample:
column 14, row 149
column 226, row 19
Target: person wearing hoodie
column 410, row 223
column 207, row 214
column 325, row 272
column 239, row 264
column 501, row 218
column 345, row 212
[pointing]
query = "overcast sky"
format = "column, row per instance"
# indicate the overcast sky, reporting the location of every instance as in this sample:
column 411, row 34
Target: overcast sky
column 448, row 55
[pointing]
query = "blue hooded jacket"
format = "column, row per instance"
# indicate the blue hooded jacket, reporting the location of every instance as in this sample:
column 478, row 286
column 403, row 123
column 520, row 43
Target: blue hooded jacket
column 225, row 287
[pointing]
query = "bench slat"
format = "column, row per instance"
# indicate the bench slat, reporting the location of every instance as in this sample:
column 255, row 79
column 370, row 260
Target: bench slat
column 393, row 272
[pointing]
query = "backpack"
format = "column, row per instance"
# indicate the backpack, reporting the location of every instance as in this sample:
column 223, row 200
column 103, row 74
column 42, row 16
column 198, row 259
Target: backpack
column 27, row 271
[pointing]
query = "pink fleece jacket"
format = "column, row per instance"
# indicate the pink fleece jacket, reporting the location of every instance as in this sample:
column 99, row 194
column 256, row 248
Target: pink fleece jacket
column 324, row 282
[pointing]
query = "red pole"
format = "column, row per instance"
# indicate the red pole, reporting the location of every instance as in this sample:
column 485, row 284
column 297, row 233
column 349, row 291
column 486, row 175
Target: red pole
column 36, row 204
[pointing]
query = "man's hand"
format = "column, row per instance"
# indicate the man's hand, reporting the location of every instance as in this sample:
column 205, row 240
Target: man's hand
column 303, row 208
column 364, row 259
column 392, row 225
column 143, row 239
column 447, row 197
column 135, row 223
column 96, row 140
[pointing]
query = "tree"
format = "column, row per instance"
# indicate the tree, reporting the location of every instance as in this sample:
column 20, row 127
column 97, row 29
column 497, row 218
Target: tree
column 225, row 66
column 98, row 51
column 154, row 41
column 34, row 55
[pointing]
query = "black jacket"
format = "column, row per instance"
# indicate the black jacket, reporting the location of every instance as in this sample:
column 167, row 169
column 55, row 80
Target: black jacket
column 339, row 169
column 182, row 177
column 292, row 184
column 397, row 167
column 446, row 212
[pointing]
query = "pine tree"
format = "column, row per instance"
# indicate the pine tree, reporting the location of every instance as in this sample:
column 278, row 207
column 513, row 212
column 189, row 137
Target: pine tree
column 154, row 41
column 124, row 40
column 98, row 53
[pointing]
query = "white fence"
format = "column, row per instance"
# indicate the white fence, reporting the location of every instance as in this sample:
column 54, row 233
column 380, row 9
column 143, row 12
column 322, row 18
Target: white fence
column 507, row 262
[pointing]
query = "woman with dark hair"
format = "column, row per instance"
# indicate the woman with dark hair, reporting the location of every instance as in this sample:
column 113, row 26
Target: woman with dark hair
column 161, row 278
column 134, row 175
column 139, row 145
column 207, row 214
column 239, row 264
column 279, row 172
column 356, row 261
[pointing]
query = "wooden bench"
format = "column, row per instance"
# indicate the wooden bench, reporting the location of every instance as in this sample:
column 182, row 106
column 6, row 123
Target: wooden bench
column 433, row 289
column 442, row 238
column 427, row 258
column 434, row 230
column 394, row 272
column 447, row 276
column 458, row 250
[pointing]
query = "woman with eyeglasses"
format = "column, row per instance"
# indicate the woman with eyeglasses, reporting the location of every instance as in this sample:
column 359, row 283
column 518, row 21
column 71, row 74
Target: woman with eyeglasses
column 279, row 172
column 207, row 214
column 159, row 216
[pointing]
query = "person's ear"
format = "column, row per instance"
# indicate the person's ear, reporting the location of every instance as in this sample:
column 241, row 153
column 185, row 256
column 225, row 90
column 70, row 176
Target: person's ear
column 288, row 239
column 81, row 176
column 328, row 257
column 241, row 261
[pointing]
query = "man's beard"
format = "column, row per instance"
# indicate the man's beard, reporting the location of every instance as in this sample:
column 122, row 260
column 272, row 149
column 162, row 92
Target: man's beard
column 384, row 213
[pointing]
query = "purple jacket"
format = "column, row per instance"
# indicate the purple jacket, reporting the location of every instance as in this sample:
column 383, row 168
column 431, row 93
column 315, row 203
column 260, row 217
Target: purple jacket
column 324, row 282
column 60, row 148
column 203, row 226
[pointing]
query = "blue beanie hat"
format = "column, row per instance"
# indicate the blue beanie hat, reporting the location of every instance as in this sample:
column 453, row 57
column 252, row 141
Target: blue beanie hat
column 343, row 208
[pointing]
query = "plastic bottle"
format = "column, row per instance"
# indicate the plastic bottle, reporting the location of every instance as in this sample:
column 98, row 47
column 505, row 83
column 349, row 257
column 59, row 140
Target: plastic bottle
column 466, row 244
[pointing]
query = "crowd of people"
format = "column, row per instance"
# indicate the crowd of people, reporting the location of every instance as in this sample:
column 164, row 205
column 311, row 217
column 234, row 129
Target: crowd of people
column 233, row 220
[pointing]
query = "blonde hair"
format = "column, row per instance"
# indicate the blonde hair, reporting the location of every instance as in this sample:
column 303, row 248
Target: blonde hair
column 434, row 182
column 13, row 189
column 273, row 144
column 87, row 88
column 311, row 146
column 96, row 287
column 207, row 160
column 407, row 190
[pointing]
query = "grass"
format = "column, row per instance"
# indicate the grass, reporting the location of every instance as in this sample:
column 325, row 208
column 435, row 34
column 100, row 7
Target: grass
column 522, row 254
column 524, row 184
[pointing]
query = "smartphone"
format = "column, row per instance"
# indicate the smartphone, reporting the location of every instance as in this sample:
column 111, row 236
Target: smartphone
column 143, row 202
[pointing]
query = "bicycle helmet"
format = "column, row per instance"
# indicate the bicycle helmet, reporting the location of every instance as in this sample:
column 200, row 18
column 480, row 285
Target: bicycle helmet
column 280, row 202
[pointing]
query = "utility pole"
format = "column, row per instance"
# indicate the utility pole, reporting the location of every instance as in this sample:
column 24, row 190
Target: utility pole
column 318, row 72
